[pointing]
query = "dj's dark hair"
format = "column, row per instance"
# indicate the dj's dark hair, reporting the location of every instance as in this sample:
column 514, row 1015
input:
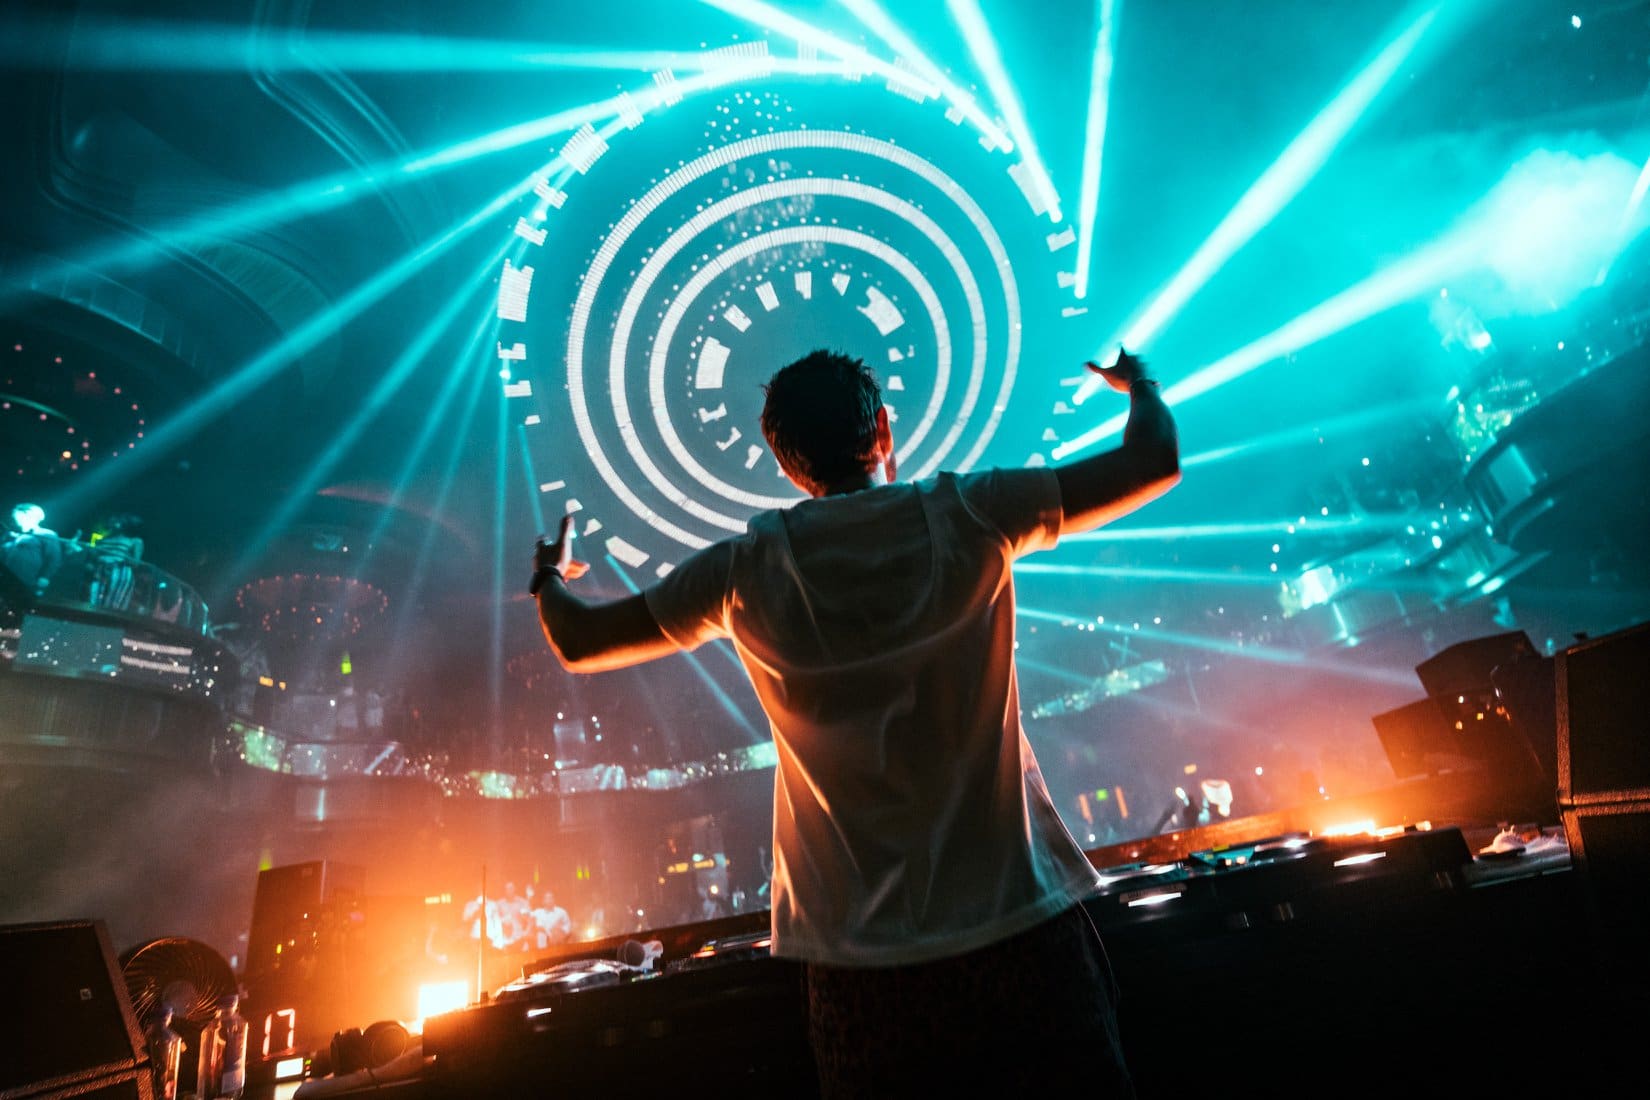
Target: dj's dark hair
column 820, row 419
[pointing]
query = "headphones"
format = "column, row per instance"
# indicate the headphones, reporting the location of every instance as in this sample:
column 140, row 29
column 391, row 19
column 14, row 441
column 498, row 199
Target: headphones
column 354, row 1050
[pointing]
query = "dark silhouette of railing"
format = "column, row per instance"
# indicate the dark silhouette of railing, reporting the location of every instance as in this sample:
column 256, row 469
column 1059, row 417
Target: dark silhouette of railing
column 72, row 574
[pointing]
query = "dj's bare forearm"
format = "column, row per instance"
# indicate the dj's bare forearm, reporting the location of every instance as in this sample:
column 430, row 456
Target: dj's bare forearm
column 1098, row 489
column 598, row 637
column 1150, row 431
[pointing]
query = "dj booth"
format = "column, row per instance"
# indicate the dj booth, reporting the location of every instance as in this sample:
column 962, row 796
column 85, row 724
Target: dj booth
column 1294, row 953
column 1401, row 963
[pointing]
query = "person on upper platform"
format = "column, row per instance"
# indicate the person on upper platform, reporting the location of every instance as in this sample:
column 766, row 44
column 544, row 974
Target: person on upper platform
column 116, row 550
column 32, row 551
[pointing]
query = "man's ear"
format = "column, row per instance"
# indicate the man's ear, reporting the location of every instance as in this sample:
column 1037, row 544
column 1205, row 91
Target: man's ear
column 885, row 445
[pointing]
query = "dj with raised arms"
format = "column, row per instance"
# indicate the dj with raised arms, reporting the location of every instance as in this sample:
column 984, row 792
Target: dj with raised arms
column 920, row 873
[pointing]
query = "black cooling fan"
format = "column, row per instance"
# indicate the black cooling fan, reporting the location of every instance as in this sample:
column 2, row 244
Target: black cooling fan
column 185, row 974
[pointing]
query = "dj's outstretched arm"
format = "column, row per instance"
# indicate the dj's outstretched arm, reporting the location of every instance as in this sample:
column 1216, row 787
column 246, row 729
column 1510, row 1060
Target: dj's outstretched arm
column 1102, row 487
column 590, row 637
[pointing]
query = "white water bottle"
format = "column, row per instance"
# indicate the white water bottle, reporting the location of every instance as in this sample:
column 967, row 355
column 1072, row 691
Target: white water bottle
column 165, row 1053
column 232, row 1034
column 209, row 1057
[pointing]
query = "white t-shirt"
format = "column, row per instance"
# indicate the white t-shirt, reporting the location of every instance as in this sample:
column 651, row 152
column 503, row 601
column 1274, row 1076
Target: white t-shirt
column 553, row 924
column 910, row 819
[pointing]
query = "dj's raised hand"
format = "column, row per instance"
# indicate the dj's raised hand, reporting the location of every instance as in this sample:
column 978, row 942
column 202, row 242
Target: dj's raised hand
column 557, row 554
column 1125, row 372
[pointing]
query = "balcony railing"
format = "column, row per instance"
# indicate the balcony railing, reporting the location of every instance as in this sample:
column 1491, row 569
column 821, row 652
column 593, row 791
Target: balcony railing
column 262, row 748
column 73, row 574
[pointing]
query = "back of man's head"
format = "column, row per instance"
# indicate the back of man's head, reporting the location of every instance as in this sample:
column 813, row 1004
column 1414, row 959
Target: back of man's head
column 820, row 419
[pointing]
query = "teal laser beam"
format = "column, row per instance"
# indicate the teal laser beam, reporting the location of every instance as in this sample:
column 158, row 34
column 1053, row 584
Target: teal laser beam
column 247, row 378
column 1293, row 169
column 1094, row 142
column 880, row 23
column 693, row 661
column 393, row 380
column 982, row 46
column 99, row 44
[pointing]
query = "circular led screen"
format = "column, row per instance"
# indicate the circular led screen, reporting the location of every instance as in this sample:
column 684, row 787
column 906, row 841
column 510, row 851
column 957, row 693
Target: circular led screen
column 755, row 238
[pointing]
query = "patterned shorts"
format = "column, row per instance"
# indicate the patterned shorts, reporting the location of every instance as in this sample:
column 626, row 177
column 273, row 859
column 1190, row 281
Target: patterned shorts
column 1032, row 1015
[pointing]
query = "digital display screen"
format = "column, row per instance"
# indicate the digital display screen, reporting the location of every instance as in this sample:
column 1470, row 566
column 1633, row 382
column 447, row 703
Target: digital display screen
column 69, row 648
column 280, row 1032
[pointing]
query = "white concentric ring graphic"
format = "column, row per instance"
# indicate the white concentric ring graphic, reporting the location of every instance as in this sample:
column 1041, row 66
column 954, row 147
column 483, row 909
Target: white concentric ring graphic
column 877, row 198
column 686, row 297
column 776, row 235
column 847, row 238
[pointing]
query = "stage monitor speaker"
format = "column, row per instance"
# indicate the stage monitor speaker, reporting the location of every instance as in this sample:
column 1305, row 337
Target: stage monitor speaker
column 288, row 903
column 302, row 980
column 1467, row 668
column 1524, row 690
column 1413, row 733
column 73, row 1031
column 1494, row 695
column 1425, row 738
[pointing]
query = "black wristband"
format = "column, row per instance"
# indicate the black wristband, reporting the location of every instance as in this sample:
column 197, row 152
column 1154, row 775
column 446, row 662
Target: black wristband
column 542, row 574
column 1152, row 382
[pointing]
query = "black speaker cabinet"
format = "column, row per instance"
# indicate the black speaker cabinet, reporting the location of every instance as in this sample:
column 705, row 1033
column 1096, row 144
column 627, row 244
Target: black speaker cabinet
column 72, row 1032
column 1611, row 841
column 299, row 985
column 1411, row 733
column 289, row 905
column 1468, row 667
column 1490, row 708
column 1602, row 688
